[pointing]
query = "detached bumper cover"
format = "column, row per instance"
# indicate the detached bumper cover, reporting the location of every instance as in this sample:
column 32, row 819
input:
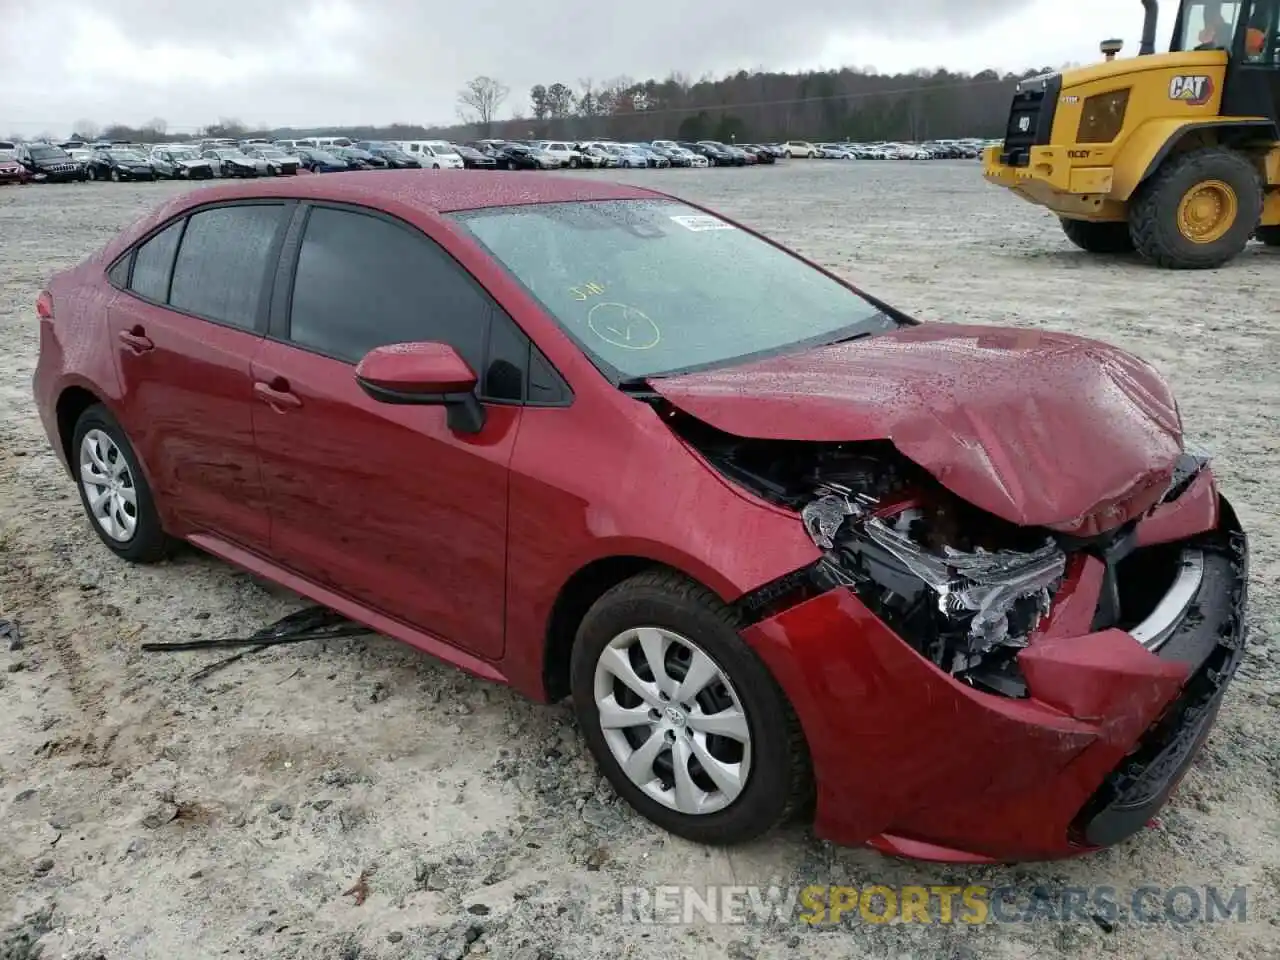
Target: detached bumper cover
column 913, row 762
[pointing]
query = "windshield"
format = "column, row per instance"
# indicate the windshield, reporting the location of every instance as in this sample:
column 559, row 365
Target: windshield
column 47, row 153
column 323, row 157
column 184, row 154
column 271, row 152
column 1208, row 25
column 652, row 287
column 444, row 149
column 127, row 156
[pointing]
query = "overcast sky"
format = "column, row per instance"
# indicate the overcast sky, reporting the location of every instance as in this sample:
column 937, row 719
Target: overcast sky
column 315, row 62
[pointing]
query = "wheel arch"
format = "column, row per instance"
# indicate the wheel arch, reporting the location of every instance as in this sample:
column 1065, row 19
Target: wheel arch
column 1157, row 140
column 579, row 593
column 73, row 401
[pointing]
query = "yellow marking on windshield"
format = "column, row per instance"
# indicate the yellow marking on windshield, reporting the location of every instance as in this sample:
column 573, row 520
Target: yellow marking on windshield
column 586, row 291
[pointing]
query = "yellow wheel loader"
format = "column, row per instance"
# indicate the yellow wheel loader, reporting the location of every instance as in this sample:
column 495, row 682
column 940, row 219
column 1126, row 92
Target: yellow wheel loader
column 1176, row 155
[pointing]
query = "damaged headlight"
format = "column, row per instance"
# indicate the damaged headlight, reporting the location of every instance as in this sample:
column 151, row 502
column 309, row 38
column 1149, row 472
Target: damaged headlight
column 961, row 608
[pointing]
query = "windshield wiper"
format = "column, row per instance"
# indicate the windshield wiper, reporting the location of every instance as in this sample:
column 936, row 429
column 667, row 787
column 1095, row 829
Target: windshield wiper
column 639, row 388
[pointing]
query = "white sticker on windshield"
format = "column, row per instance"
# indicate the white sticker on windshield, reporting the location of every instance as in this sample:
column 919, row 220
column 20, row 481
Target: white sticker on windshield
column 699, row 222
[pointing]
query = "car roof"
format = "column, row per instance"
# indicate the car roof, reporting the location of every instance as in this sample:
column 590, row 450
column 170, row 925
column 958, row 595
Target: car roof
column 431, row 191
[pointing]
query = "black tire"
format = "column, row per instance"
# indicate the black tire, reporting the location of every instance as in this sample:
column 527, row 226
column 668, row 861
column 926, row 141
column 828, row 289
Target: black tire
column 1269, row 235
column 115, row 176
column 573, row 163
column 149, row 543
column 1154, row 213
column 1098, row 237
column 779, row 784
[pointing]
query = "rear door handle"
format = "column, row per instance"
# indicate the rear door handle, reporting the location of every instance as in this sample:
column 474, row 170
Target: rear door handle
column 136, row 339
column 275, row 396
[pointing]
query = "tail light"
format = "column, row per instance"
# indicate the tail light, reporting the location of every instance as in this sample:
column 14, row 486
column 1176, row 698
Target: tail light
column 44, row 305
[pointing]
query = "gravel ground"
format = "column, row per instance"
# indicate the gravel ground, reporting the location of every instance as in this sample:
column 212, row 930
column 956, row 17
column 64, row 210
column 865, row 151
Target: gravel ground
column 150, row 816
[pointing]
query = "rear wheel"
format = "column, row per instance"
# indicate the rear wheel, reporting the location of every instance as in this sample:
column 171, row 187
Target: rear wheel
column 682, row 716
column 1269, row 235
column 1098, row 237
column 1198, row 211
column 113, row 491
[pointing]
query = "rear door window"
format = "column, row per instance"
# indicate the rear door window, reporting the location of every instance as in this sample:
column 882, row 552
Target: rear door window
column 226, row 255
column 153, row 264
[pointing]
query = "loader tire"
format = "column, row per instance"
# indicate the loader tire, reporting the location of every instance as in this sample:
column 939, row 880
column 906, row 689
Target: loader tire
column 1269, row 235
column 1098, row 237
column 1198, row 211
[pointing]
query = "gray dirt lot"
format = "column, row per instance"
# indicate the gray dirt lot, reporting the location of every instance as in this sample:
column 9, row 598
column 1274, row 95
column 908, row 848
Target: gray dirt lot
column 161, row 818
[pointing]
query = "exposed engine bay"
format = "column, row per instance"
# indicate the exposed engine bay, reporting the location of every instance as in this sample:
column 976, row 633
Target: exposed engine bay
column 966, row 589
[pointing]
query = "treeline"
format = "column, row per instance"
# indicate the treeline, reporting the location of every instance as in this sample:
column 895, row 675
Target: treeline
column 829, row 105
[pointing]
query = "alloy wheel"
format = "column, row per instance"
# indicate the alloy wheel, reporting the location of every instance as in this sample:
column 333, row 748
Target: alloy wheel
column 108, row 486
column 672, row 720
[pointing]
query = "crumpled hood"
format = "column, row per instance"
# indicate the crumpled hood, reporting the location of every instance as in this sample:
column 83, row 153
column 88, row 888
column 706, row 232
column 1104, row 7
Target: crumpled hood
column 1041, row 429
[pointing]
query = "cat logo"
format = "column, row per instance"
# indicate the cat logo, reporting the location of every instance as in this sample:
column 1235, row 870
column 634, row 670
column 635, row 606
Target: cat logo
column 1194, row 91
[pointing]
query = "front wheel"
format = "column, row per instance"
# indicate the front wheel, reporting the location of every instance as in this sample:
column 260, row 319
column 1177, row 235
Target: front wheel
column 115, row 176
column 1269, row 235
column 573, row 163
column 1198, row 211
column 1098, row 237
column 113, row 491
column 683, row 718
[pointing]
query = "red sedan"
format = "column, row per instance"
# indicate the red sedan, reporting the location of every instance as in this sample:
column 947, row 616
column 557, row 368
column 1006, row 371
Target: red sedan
column 11, row 171
column 962, row 588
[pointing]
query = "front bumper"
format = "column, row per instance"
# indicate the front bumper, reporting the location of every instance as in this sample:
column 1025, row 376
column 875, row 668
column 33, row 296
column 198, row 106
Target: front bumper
column 914, row 763
column 1049, row 180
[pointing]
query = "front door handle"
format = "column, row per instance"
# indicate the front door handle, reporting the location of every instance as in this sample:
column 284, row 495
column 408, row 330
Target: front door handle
column 136, row 339
column 276, row 396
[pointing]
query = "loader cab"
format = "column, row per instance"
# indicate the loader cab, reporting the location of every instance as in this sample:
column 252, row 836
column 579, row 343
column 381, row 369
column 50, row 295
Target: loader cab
column 1249, row 31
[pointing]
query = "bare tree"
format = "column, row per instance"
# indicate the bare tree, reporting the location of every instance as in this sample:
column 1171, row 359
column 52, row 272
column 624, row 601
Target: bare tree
column 86, row 129
column 479, row 100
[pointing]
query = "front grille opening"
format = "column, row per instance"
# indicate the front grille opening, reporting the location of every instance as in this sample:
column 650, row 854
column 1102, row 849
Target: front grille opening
column 1143, row 578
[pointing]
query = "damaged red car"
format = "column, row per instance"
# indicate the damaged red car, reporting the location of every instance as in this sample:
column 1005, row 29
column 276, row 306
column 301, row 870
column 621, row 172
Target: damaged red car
column 955, row 592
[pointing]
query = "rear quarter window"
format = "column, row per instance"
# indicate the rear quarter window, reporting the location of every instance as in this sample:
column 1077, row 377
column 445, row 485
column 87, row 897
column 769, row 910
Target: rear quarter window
column 153, row 264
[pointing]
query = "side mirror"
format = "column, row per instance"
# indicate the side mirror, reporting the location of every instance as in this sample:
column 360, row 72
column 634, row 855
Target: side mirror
column 423, row 373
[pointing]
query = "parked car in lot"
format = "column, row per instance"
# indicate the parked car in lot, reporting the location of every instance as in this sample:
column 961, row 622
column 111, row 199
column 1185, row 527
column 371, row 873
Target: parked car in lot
column 830, row 583
column 279, row 163
column 673, row 155
column 230, row 162
column 692, row 159
column 723, row 154
column 595, row 155
column 357, row 159
column 177, row 161
column 716, row 156
column 434, row 154
column 314, row 160
column 567, row 153
column 758, row 153
column 8, row 150
column 11, row 171
column 46, row 163
column 396, row 159
column 520, row 156
column 114, row 163
column 473, row 159
column 801, row 148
